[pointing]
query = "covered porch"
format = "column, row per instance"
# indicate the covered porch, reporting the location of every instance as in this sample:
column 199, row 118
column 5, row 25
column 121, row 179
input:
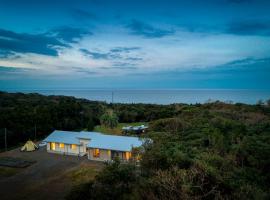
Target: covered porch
column 66, row 149
column 108, row 155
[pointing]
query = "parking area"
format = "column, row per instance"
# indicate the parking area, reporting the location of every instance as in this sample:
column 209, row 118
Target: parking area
column 48, row 176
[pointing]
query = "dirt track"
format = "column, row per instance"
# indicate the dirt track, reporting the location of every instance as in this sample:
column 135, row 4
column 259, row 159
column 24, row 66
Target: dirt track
column 45, row 179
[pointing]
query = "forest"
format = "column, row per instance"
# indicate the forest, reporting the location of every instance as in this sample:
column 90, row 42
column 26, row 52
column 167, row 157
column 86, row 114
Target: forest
column 213, row 150
column 34, row 116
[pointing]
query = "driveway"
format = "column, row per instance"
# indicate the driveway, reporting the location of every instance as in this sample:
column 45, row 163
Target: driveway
column 47, row 178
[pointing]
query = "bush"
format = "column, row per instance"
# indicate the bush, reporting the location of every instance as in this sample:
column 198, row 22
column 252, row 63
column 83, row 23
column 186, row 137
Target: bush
column 115, row 181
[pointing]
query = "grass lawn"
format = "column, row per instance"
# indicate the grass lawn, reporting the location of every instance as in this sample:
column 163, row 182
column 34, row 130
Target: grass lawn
column 117, row 130
column 83, row 174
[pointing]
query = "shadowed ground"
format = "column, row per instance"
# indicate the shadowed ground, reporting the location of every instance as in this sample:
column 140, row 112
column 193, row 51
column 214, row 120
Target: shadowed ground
column 51, row 177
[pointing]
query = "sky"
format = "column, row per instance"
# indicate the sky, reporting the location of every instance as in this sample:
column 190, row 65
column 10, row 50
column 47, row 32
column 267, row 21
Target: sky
column 150, row 44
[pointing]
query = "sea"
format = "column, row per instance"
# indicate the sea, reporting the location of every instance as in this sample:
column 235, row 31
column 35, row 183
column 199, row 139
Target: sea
column 156, row 96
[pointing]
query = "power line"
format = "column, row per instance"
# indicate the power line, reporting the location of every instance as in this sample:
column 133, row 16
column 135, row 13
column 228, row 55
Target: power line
column 35, row 132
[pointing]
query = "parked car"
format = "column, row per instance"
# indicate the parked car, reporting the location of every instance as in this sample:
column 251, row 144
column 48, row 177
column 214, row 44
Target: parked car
column 42, row 144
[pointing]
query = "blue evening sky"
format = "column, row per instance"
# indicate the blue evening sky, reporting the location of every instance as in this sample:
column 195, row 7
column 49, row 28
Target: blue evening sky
column 207, row 44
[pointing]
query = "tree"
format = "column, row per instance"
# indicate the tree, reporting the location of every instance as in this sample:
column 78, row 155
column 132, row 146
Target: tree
column 109, row 119
column 260, row 102
column 115, row 182
column 268, row 102
column 90, row 124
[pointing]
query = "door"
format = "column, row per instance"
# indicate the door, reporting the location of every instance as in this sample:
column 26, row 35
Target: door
column 52, row 145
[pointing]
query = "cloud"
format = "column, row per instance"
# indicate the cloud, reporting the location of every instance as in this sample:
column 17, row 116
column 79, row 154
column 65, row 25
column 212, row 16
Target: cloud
column 124, row 49
column 13, row 72
column 6, row 54
column 134, row 58
column 248, row 62
column 247, row 66
column 69, row 34
column 245, row 61
column 238, row 1
column 80, row 14
column 146, row 30
column 245, row 27
column 29, row 43
column 84, row 71
column 114, row 53
column 124, row 65
column 46, row 43
column 201, row 28
column 12, row 69
column 95, row 55
column 251, row 27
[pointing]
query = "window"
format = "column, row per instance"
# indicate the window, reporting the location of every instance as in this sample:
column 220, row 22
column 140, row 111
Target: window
column 128, row 155
column 62, row 145
column 96, row 153
column 73, row 146
column 52, row 145
column 109, row 153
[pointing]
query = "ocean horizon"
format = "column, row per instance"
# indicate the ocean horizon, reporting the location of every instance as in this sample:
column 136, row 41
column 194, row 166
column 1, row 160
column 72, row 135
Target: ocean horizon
column 158, row 96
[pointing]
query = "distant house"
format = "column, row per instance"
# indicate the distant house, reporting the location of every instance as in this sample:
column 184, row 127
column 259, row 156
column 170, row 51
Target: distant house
column 96, row 146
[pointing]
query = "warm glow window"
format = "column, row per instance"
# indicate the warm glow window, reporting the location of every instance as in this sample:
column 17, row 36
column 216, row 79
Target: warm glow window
column 52, row 146
column 96, row 153
column 73, row 146
column 128, row 155
column 62, row 145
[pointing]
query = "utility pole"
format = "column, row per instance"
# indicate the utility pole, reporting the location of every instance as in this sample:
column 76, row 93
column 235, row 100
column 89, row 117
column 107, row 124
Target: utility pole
column 5, row 139
column 35, row 120
column 35, row 132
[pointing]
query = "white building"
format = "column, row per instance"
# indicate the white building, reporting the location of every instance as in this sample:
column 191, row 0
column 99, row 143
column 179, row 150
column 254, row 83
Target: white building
column 96, row 146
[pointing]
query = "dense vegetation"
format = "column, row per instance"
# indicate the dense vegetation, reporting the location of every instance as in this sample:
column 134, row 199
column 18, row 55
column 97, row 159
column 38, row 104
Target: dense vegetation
column 35, row 116
column 202, row 151
column 210, row 151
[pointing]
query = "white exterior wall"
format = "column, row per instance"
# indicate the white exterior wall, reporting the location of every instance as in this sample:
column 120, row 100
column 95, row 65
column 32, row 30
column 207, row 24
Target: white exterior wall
column 105, row 155
column 66, row 150
column 84, row 143
column 48, row 146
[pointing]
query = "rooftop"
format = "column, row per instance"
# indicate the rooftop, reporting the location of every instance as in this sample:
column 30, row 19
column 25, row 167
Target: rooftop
column 97, row 140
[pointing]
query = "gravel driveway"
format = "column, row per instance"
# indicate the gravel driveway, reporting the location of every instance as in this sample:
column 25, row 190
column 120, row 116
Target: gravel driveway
column 45, row 179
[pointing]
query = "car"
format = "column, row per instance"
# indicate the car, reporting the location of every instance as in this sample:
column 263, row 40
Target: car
column 42, row 144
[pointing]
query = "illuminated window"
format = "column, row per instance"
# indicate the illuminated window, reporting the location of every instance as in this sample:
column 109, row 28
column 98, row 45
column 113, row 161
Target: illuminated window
column 109, row 153
column 96, row 153
column 128, row 155
column 62, row 145
column 138, row 157
column 73, row 146
column 52, row 145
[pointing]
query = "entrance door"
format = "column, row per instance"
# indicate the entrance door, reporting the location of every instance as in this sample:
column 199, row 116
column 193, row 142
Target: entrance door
column 115, row 154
